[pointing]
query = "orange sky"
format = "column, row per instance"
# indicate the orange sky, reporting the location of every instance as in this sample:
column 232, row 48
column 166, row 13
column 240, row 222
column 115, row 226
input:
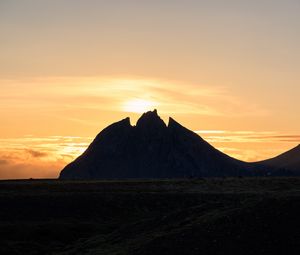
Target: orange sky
column 70, row 68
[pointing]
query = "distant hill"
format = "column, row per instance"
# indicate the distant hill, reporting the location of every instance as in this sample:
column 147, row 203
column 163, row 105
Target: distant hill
column 289, row 161
column 152, row 149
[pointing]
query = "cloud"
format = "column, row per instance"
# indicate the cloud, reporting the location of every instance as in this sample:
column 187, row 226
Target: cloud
column 112, row 93
column 36, row 154
column 247, row 136
column 3, row 162
column 250, row 145
column 38, row 157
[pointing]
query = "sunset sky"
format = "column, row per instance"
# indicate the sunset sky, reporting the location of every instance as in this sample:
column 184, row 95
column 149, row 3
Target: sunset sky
column 229, row 70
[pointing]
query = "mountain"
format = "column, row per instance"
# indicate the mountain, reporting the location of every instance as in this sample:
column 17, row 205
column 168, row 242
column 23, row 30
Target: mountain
column 152, row 149
column 289, row 161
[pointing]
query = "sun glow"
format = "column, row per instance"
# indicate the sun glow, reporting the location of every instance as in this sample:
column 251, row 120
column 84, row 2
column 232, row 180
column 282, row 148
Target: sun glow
column 139, row 106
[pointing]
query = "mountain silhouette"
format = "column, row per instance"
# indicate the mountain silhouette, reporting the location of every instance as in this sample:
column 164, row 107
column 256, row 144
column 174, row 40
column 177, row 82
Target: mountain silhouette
column 152, row 149
column 289, row 161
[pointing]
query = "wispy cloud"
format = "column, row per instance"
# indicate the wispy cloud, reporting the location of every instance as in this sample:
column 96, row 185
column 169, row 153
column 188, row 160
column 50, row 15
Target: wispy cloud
column 3, row 162
column 111, row 93
column 38, row 157
column 250, row 145
column 247, row 136
column 36, row 154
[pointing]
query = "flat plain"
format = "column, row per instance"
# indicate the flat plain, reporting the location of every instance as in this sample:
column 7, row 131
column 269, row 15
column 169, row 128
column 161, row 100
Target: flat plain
column 189, row 216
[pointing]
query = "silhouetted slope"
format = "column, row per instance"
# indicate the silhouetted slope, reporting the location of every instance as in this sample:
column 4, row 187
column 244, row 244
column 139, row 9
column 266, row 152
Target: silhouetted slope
column 151, row 150
column 289, row 161
column 190, row 152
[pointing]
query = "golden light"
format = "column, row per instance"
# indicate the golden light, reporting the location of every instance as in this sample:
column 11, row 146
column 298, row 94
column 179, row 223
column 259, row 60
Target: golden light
column 139, row 106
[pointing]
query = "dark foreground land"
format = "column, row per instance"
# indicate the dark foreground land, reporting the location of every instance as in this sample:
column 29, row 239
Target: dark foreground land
column 205, row 216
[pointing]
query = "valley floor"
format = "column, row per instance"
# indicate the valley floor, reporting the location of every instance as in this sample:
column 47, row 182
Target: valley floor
column 142, row 217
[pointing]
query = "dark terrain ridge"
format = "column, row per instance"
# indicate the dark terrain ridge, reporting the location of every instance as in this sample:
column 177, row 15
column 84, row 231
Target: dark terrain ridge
column 152, row 149
column 211, row 216
column 289, row 160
